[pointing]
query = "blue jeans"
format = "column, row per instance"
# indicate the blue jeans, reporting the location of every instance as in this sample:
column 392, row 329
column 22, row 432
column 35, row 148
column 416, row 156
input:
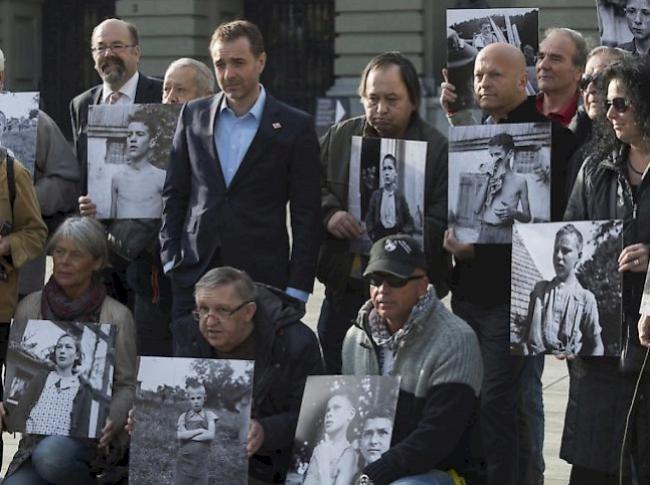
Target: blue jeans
column 434, row 477
column 337, row 314
column 57, row 460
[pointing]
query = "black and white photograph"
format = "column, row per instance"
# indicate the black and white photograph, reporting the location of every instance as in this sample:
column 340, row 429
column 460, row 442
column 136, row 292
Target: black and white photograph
column 566, row 288
column 470, row 30
column 625, row 24
column 345, row 423
column 191, row 421
column 18, row 125
column 386, row 188
column 498, row 174
column 59, row 377
column 128, row 153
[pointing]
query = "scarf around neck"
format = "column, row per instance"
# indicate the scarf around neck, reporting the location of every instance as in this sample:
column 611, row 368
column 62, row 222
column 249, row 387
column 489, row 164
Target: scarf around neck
column 56, row 305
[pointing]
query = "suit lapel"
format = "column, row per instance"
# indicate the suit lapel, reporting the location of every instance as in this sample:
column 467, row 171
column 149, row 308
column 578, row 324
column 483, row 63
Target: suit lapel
column 269, row 125
column 208, row 136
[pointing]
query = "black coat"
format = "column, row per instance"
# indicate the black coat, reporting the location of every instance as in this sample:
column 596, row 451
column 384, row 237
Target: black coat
column 148, row 90
column 287, row 351
column 599, row 395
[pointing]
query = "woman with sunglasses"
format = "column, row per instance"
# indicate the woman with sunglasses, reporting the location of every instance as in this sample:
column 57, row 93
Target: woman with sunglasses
column 615, row 186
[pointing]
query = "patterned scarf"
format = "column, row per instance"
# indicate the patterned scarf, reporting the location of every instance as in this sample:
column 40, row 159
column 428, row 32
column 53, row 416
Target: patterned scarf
column 379, row 330
column 56, row 305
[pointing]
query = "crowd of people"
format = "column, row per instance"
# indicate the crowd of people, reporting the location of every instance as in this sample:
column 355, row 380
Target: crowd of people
column 219, row 277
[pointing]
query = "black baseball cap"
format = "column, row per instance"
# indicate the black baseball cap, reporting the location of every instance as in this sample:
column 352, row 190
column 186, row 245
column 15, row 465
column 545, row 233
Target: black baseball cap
column 398, row 255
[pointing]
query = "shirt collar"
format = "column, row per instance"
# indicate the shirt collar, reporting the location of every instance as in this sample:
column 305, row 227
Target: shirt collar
column 128, row 89
column 256, row 110
column 563, row 115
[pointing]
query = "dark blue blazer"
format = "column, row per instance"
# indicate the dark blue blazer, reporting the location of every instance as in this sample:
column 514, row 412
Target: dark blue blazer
column 245, row 224
column 148, row 90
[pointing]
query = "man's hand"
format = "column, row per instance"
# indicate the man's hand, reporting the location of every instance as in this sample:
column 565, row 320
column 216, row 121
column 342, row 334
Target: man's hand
column 5, row 247
column 505, row 213
column 343, row 225
column 130, row 421
column 108, row 431
column 255, row 437
column 634, row 258
column 86, row 206
column 644, row 330
column 459, row 250
column 447, row 93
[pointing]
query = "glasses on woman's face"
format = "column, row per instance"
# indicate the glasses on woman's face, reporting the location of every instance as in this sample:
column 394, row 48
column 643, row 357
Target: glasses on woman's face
column 587, row 79
column 621, row 105
column 221, row 312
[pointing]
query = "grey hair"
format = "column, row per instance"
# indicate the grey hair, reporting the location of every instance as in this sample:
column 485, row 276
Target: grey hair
column 133, row 30
column 615, row 53
column 86, row 233
column 227, row 275
column 580, row 58
column 204, row 76
column 2, row 60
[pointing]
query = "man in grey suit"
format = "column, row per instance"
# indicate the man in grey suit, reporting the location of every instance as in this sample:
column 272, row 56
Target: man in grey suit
column 237, row 159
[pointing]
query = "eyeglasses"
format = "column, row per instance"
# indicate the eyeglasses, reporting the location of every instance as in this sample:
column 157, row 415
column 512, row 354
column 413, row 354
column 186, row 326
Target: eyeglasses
column 620, row 105
column 587, row 79
column 203, row 312
column 378, row 279
column 116, row 48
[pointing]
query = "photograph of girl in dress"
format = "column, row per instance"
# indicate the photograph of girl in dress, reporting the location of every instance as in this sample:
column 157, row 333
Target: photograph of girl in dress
column 55, row 387
column 192, row 418
column 345, row 422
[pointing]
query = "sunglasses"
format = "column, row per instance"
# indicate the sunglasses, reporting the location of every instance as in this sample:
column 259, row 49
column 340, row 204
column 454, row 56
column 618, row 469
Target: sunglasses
column 586, row 79
column 378, row 279
column 620, row 105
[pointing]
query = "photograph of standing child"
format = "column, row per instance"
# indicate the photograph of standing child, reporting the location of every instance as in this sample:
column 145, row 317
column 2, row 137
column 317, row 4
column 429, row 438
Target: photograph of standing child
column 562, row 314
column 195, row 433
column 136, row 191
column 334, row 460
column 504, row 196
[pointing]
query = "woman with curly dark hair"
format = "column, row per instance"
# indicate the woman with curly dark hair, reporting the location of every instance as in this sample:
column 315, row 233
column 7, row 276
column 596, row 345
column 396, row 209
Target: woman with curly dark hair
column 615, row 186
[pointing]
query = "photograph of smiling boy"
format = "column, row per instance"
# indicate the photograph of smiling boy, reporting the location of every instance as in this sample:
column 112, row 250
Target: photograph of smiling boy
column 389, row 177
column 128, row 152
column 564, row 295
column 345, row 422
column 59, row 377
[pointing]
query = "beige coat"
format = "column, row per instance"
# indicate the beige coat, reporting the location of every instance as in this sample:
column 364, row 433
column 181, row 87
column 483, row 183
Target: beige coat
column 27, row 238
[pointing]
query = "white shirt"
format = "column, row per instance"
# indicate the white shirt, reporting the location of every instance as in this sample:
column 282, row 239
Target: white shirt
column 128, row 91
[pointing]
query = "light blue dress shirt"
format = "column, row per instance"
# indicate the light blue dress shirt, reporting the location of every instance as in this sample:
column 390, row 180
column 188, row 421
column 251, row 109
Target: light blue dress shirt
column 234, row 134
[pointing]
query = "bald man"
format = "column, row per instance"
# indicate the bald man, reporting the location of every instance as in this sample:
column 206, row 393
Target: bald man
column 500, row 91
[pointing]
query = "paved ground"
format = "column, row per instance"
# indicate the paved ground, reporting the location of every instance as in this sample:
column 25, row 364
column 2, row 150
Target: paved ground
column 555, row 396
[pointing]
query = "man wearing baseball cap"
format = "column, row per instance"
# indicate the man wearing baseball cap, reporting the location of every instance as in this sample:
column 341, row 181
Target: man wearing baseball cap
column 405, row 330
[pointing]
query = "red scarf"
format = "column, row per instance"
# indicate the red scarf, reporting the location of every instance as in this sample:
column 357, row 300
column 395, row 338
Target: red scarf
column 56, row 305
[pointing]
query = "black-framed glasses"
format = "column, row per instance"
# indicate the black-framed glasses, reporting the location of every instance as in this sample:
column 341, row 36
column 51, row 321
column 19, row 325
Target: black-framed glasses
column 621, row 105
column 586, row 79
column 378, row 279
column 116, row 48
column 221, row 312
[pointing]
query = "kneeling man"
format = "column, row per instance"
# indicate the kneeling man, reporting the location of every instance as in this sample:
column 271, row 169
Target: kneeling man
column 405, row 330
column 239, row 319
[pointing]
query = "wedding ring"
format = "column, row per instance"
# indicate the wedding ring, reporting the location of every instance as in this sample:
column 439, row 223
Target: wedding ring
column 636, row 262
